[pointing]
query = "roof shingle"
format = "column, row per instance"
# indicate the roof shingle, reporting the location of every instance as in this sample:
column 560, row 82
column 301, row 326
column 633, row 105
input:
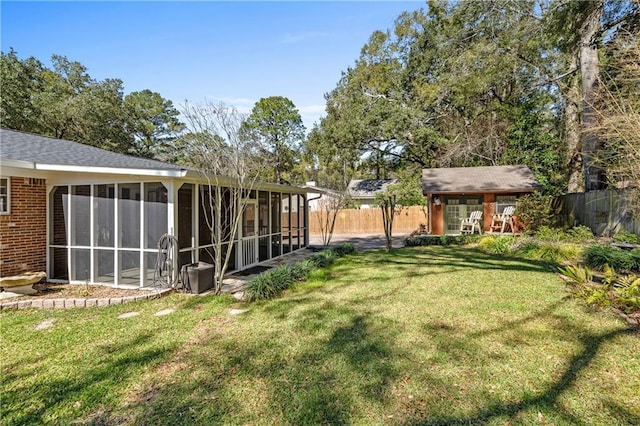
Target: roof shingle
column 367, row 188
column 478, row 179
column 38, row 149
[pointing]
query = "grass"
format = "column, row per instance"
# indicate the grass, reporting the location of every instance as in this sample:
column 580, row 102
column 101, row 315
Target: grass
column 425, row 335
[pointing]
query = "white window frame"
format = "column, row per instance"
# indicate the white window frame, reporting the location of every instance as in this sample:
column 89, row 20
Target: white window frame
column 6, row 210
column 506, row 200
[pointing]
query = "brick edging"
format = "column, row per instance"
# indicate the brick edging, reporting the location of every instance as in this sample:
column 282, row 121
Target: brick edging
column 80, row 303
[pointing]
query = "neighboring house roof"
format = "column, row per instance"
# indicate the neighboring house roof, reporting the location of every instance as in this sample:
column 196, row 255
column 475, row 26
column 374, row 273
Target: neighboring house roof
column 478, row 179
column 320, row 190
column 41, row 152
column 367, row 188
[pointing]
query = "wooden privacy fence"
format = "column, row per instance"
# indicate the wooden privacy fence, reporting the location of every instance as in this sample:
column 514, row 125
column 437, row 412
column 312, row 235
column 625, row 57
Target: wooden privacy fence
column 606, row 212
column 369, row 221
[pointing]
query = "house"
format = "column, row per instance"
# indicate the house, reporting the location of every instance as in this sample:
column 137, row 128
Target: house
column 82, row 214
column 363, row 191
column 320, row 198
column 453, row 193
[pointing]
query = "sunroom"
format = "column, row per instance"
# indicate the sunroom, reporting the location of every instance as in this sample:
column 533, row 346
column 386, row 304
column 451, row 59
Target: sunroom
column 106, row 212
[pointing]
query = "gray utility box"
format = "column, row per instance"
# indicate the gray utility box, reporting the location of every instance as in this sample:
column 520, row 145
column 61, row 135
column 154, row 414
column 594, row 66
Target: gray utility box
column 199, row 277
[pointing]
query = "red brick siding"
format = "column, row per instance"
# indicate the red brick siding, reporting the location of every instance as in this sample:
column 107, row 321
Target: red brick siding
column 23, row 233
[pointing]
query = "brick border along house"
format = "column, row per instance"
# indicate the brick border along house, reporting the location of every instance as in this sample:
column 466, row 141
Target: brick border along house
column 82, row 214
column 453, row 193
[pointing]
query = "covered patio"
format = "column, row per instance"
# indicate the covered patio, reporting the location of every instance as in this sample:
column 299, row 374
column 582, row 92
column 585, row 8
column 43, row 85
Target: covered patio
column 106, row 212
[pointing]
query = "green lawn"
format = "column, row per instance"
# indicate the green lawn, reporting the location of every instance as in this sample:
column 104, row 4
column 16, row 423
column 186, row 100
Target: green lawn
column 426, row 335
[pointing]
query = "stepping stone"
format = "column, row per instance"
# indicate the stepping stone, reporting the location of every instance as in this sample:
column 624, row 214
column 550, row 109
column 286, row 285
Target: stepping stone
column 44, row 324
column 129, row 314
column 165, row 312
column 237, row 311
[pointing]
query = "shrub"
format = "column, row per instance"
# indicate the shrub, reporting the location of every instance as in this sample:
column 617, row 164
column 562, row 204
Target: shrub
column 268, row 284
column 626, row 237
column 324, row 258
column 545, row 233
column 622, row 260
column 274, row 281
column 577, row 274
column 525, row 247
column 627, row 292
column 534, row 211
column 344, row 249
column 580, row 234
column 440, row 240
column 496, row 245
column 577, row 234
column 558, row 252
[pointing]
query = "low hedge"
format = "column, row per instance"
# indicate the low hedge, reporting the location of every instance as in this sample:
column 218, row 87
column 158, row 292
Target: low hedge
column 274, row 281
column 598, row 256
column 440, row 240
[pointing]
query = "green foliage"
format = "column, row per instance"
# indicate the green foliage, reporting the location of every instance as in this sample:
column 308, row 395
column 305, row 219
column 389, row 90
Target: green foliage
column 627, row 292
column 274, row 281
column 66, row 102
column 596, row 296
column 558, row 252
column 579, row 234
column 534, row 211
column 609, row 276
column 343, row 249
column 598, row 256
column 496, row 244
column 577, row 274
column 620, row 291
column 550, row 251
column 626, row 238
column 276, row 123
column 151, row 119
column 440, row 240
column 324, row 258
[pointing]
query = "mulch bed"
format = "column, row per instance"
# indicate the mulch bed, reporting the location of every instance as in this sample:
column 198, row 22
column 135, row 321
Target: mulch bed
column 79, row 291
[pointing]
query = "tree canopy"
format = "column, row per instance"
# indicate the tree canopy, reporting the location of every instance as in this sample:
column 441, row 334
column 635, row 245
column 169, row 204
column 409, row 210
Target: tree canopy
column 474, row 83
column 276, row 123
column 66, row 102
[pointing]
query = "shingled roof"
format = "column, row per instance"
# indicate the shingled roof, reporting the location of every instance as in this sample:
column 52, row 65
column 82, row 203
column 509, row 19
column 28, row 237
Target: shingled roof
column 457, row 180
column 367, row 188
column 45, row 151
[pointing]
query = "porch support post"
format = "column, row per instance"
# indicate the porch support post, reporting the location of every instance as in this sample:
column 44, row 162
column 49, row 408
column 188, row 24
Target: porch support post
column 172, row 206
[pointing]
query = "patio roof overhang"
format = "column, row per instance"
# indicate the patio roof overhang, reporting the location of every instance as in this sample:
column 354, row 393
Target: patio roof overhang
column 193, row 175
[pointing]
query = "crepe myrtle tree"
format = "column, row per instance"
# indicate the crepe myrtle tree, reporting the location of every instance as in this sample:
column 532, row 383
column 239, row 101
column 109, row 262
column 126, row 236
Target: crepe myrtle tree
column 395, row 197
column 230, row 165
column 328, row 208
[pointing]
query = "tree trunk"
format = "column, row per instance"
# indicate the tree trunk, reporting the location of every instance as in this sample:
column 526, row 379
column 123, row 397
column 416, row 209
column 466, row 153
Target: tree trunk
column 589, row 72
column 572, row 128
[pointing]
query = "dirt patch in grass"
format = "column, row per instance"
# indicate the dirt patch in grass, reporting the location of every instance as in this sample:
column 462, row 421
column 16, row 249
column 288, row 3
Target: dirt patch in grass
column 79, row 291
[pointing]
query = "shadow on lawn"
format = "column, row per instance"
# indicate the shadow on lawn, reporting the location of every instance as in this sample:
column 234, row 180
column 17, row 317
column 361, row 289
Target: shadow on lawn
column 116, row 361
column 458, row 344
column 447, row 259
column 349, row 357
column 547, row 399
column 304, row 386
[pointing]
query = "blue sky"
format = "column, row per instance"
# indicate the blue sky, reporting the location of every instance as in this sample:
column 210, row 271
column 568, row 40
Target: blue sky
column 235, row 52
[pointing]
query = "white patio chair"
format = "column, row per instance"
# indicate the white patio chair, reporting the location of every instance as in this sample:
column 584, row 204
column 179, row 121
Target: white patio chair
column 471, row 223
column 503, row 220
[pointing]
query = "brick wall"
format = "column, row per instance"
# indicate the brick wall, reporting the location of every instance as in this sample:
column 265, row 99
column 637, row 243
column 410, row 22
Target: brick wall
column 23, row 233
